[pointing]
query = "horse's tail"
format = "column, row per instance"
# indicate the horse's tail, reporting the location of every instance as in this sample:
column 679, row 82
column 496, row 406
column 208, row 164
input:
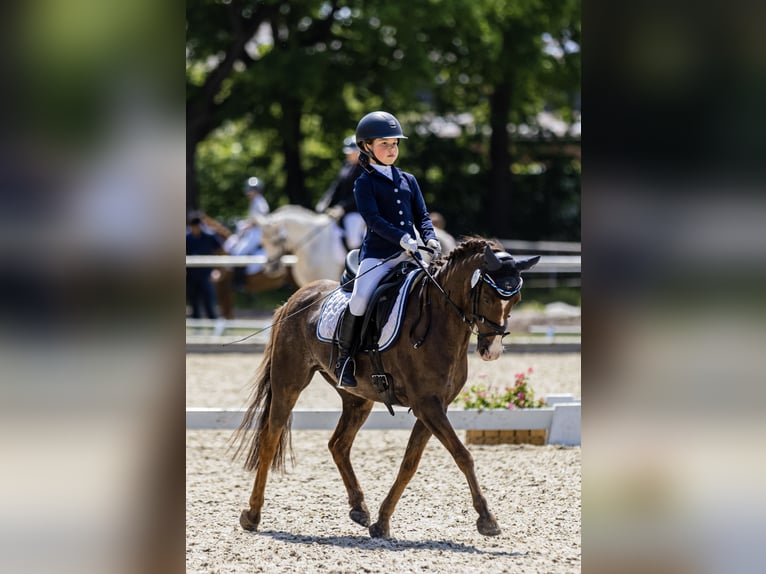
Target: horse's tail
column 260, row 405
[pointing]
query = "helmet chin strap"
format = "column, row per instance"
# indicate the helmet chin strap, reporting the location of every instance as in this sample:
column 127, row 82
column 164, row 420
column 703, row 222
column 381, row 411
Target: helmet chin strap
column 371, row 154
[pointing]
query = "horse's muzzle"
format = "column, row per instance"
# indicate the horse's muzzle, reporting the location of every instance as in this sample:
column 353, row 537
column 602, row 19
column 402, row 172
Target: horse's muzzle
column 490, row 347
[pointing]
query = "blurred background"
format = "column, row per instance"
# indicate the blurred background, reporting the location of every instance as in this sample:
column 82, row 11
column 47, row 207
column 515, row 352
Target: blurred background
column 673, row 214
column 488, row 93
column 91, row 349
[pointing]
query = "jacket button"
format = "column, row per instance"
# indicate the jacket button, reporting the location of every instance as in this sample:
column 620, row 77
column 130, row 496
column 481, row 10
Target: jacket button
column 400, row 213
column 398, row 201
column 401, row 223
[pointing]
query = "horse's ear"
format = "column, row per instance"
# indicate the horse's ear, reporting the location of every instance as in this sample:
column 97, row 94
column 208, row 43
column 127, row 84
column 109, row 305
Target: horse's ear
column 527, row 263
column 491, row 261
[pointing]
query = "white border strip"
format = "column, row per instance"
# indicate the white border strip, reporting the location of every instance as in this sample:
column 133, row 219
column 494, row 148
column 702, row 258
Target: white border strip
column 561, row 420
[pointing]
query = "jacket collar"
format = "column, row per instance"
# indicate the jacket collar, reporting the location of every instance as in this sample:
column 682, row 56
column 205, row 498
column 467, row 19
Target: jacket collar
column 395, row 173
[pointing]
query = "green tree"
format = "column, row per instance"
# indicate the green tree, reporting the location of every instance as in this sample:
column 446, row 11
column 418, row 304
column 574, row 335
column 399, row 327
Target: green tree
column 216, row 40
column 509, row 60
column 273, row 87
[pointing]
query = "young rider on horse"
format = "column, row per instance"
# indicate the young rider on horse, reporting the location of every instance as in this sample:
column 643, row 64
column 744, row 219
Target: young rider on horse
column 392, row 206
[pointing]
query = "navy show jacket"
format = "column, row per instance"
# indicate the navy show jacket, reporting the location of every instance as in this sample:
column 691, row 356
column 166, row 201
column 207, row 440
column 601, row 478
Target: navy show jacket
column 390, row 209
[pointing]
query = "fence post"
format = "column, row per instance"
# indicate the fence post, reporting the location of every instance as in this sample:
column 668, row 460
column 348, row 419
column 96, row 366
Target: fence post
column 565, row 426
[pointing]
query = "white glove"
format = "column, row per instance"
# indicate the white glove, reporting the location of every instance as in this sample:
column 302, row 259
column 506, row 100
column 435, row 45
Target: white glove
column 409, row 244
column 436, row 246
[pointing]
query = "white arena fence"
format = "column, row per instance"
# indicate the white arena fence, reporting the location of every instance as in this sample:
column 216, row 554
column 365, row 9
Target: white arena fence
column 561, row 419
column 234, row 260
column 547, row 263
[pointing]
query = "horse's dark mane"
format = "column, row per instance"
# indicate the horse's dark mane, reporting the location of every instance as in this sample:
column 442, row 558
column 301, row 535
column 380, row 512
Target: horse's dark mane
column 467, row 248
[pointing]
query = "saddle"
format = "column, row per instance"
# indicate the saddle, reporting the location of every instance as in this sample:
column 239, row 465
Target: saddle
column 378, row 311
column 383, row 298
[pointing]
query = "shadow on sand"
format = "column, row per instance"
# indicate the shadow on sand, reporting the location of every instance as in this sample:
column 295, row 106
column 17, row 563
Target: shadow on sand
column 365, row 542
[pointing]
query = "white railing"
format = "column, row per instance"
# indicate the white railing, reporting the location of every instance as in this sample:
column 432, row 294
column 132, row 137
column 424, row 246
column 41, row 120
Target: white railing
column 547, row 263
column 561, row 418
column 234, row 260
column 555, row 246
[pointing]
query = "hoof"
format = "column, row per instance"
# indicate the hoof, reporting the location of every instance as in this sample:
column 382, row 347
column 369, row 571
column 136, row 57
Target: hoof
column 248, row 523
column 378, row 531
column 360, row 517
column 488, row 526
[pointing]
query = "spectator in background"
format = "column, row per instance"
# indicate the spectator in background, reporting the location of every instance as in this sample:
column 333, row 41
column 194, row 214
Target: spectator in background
column 199, row 287
column 446, row 240
column 338, row 201
column 247, row 239
column 257, row 203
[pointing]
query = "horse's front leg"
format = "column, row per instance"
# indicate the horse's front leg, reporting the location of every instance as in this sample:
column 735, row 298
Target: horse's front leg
column 355, row 412
column 417, row 443
column 435, row 417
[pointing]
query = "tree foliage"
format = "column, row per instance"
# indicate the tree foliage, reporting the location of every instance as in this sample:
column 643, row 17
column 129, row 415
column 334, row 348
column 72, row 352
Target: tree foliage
column 274, row 86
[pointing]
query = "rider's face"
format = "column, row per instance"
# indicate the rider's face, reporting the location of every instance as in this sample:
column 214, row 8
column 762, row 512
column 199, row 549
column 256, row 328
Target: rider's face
column 386, row 150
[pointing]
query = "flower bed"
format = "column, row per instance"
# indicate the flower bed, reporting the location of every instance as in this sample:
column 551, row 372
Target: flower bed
column 519, row 396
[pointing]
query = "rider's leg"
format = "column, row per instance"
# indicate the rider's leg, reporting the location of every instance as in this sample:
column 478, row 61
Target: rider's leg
column 371, row 271
column 348, row 332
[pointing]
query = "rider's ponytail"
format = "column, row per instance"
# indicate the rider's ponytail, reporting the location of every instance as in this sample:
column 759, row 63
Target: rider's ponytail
column 364, row 159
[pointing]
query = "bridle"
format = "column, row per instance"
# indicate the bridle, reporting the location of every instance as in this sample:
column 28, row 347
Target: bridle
column 479, row 278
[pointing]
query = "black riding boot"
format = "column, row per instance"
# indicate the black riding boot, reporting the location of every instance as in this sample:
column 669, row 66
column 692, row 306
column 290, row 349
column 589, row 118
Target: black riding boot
column 347, row 334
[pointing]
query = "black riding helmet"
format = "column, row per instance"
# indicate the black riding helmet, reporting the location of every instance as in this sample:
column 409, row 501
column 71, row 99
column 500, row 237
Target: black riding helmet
column 377, row 125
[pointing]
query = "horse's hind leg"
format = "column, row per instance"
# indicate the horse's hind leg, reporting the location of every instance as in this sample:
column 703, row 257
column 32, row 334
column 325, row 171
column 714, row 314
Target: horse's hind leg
column 283, row 399
column 269, row 441
column 435, row 417
column 355, row 412
column 417, row 443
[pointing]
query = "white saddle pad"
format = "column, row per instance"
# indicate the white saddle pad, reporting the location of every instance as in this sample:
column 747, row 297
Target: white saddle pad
column 336, row 303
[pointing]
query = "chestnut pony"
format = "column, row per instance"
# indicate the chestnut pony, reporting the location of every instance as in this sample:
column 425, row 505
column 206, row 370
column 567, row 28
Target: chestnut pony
column 476, row 287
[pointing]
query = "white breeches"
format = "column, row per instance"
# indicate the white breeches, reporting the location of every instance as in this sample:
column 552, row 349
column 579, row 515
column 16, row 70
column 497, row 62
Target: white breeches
column 367, row 281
